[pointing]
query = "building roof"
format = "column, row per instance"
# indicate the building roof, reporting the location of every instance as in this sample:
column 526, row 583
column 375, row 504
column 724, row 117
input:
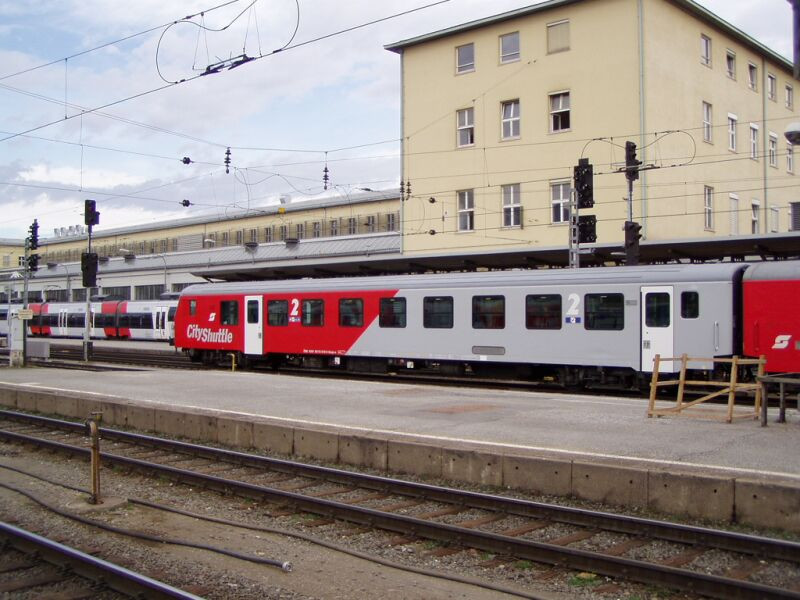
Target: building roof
column 698, row 11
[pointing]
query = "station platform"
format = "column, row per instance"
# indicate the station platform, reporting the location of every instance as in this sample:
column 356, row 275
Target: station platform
column 598, row 448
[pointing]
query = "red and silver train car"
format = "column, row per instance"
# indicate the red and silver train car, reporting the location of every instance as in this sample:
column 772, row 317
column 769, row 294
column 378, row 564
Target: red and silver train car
column 600, row 325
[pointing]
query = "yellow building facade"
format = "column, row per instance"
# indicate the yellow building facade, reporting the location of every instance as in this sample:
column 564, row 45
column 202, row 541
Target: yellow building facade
column 497, row 112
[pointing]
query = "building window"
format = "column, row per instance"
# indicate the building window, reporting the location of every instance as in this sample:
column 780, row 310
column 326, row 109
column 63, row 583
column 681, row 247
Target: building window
column 351, row 312
column 254, row 235
column 543, row 311
column 559, row 112
column 708, row 207
column 283, row 232
column 559, row 196
column 334, row 228
column 705, row 50
column 752, row 76
column 707, row 128
column 774, row 217
column 392, row 313
column 512, row 210
column 510, row 119
column 226, row 238
column 557, row 36
column 148, row 292
column 465, row 125
column 391, row 222
column 730, row 64
column 732, row 122
column 772, row 85
column 794, row 211
column 466, row 210
column 604, row 312
column 753, row 141
column 239, row 237
column 316, row 229
column 268, row 234
column 352, row 226
column 788, row 97
column 437, row 312
column 789, row 158
column 313, row 313
column 755, row 208
column 509, row 47
column 734, row 213
column 772, row 150
column 488, row 312
column 300, row 231
column 465, row 58
column 371, row 224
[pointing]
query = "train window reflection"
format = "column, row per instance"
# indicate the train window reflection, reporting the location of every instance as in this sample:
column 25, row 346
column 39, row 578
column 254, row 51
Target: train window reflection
column 313, row 313
column 488, row 312
column 690, row 305
column 392, row 312
column 278, row 313
column 351, row 312
column 437, row 312
column 604, row 312
column 543, row 311
column 657, row 309
column 229, row 312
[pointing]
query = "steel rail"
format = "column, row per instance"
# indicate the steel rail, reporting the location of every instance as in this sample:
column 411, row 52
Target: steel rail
column 673, row 532
column 640, row 571
column 117, row 578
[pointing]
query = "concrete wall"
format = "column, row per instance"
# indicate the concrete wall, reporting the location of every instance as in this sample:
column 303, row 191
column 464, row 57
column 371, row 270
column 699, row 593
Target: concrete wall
column 709, row 494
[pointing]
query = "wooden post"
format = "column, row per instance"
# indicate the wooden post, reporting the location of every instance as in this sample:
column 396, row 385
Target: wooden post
column 732, row 390
column 653, row 385
column 759, row 398
column 682, row 380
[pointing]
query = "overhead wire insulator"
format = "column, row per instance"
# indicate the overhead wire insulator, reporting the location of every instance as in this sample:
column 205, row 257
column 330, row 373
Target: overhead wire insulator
column 325, row 177
column 408, row 190
column 227, row 160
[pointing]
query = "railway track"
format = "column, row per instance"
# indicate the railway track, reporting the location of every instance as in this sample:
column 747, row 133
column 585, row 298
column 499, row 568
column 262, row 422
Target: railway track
column 454, row 520
column 34, row 566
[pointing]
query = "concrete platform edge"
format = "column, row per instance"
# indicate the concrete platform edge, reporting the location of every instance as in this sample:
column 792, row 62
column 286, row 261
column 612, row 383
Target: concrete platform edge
column 711, row 493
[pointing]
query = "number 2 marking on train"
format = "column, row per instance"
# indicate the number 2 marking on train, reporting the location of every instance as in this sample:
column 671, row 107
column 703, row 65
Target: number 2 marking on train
column 295, row 308
column 575, row 302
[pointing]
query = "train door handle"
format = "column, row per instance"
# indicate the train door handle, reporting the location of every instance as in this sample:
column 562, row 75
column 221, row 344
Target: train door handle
column 716, row 335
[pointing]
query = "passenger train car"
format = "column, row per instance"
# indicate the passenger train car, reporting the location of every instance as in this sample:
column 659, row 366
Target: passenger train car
column 110, row 319
column 600, row 325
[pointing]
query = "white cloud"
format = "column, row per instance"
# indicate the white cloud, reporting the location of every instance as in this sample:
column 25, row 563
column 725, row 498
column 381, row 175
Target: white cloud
column 71, row 177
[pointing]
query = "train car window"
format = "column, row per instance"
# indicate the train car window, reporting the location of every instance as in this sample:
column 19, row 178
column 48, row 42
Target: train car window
column 76, row 320
column 437, row 312
column 252, row 311
column 277, row 313
column 488, row 312
column 543, row 311
column 104, row 320
column 146, row 320
column 313, row 313
column 171, row 314
column 351, row 312
column 657, row 309
column 392, row 312
column 192, row 307
column 229, row 312
column 3, row 315
column 604, row 312
column 690, row 305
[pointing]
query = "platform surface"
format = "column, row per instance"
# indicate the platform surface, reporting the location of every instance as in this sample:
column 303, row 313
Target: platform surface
column 578, row 427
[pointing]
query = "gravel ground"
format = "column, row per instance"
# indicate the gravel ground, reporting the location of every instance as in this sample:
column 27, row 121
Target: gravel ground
column 319, row 573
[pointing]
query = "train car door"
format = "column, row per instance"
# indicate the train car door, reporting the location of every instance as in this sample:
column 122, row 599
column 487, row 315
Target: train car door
column 254, row 325
column 161, row 331
column 658, row 328
column 62, row 322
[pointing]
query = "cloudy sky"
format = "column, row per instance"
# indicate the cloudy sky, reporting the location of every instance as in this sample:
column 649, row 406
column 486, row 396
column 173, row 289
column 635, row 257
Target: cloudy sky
column 282, row 115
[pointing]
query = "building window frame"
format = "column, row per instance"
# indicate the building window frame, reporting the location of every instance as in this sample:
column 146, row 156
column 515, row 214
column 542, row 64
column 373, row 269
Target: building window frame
column 708, row 208
column 774, row 219
column 754, row 141
column 708, row 128
column 512, row 206
column 559, row 201
column 772, row 87
column 730, row 64
column 509, row 47
column 705, row 50
column 510, row 120
column 772, row 149
column 557, row 39
column 465, row 58
column 465, row 127
column 755, row 216
column 790, row 158
column 733, row 122
column 466, row 210
column 560, row 108
column 752, row 76
column 733, row 202
column 788, row 97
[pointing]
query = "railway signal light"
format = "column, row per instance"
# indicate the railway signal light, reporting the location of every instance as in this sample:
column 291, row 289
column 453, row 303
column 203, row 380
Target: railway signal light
column 33, row 263
column 89, row 262
column 91, row 216
column 631, row 162
column 632, row 236
column 587, row 229
column 584, row 183
column 33, row 238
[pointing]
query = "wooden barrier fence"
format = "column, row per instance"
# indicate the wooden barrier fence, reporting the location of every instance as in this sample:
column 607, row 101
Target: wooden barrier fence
column 730, row 387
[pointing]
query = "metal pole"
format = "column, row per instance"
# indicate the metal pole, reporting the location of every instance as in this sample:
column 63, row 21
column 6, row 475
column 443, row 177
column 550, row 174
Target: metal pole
column 630, row 199
column 26, row 276
column 574, row 239
column 87, row 344
column 94, row 433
